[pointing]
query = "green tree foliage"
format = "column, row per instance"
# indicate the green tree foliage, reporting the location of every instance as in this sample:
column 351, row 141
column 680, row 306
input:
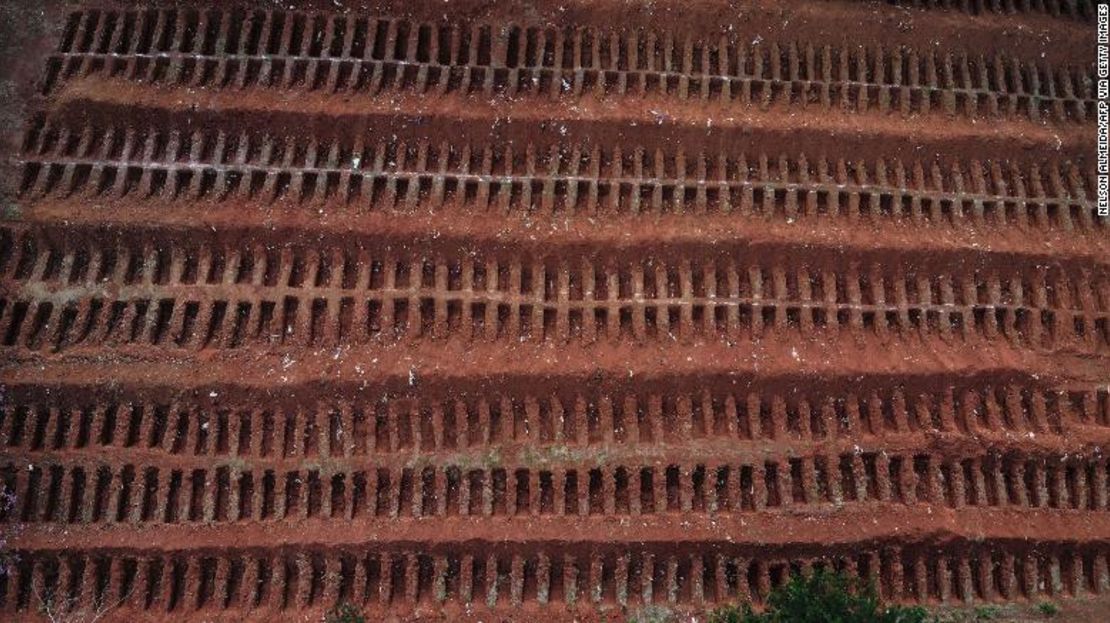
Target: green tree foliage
column 345, row 613
column 823, row 597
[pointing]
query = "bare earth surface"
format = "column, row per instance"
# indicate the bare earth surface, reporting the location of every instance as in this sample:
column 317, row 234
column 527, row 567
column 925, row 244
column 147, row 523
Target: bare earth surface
column 549, row 310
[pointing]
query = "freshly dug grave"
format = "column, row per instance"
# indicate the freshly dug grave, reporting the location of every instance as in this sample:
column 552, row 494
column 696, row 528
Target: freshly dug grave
column 473, row 311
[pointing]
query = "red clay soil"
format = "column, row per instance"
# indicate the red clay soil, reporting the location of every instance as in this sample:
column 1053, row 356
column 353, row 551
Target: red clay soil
column 561, row 310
